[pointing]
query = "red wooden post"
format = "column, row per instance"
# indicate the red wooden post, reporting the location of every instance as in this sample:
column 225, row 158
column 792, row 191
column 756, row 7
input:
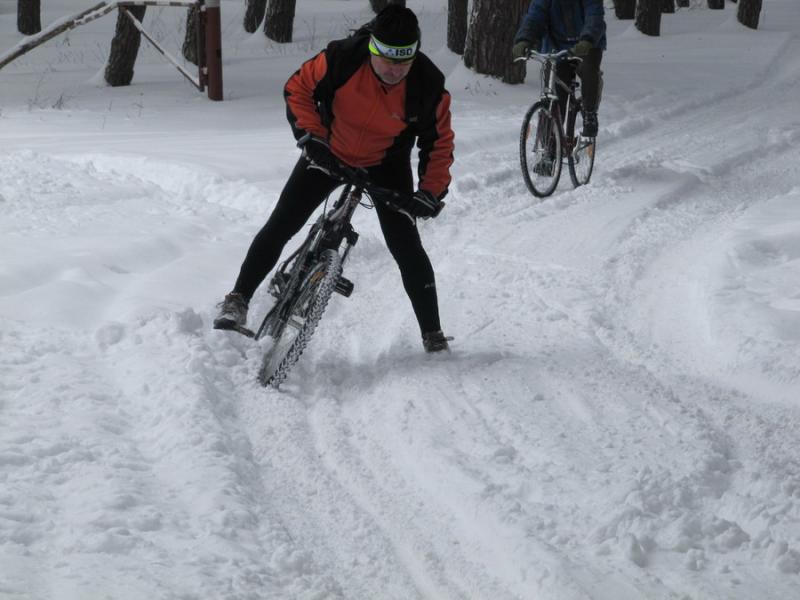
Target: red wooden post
column 214, row 50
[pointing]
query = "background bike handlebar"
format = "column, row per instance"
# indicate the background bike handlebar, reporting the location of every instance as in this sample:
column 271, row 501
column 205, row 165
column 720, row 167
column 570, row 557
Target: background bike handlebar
column 542, row 56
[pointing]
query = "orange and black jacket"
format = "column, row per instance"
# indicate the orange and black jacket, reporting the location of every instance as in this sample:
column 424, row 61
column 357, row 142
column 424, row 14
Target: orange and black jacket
column 337, row 96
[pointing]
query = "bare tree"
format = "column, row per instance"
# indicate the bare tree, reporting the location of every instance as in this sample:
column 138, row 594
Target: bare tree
column 490, row 37
column 648, row 17
column 748, row 13
column 716, row 4
column 29, row 19
column 379, row 5
column 668, row 6
column 279, row 21
column 124, row 48
column 456, row 25
column 189, row 48
column 254, row 14
column 625, row 9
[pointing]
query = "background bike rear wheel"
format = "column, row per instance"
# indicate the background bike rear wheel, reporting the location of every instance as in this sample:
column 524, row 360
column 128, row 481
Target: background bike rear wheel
column 304, row 314
column 540, row 150
column 581, row 150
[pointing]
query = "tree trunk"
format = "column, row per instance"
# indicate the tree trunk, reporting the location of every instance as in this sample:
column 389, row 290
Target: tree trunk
column 254, row 14
column 379, row 5
column 456, row 25
column 279, row 21
column 625, row 9
column 749, row 12
column 668, row 6
column 29, row 20
column 189, row 48
column 490, row 37
column 648, row 17
column 124, row 48
column 716, row 4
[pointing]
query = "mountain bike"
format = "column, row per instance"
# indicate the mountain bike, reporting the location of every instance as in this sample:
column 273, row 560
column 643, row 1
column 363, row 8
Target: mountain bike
column 544, row 141
column 304, row 283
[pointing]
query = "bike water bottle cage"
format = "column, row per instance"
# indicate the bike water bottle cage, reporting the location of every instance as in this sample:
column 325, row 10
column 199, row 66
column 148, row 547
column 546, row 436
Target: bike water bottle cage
column 396, row 54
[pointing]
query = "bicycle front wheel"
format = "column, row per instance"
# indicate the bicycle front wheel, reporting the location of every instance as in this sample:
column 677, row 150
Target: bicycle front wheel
column 580, row 150
column 304, row 314
column 540, row 150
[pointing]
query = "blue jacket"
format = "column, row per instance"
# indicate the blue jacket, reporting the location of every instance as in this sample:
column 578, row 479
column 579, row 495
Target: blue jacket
column 560, row 24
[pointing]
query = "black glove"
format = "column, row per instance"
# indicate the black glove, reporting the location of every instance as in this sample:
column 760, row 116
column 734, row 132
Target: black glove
column 318, row 151
column 421, row 205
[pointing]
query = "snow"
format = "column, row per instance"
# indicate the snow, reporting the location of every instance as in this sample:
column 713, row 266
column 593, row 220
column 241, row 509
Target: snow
column 618, row 418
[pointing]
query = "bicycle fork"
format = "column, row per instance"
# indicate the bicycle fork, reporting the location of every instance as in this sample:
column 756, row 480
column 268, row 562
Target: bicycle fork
column 343, row 285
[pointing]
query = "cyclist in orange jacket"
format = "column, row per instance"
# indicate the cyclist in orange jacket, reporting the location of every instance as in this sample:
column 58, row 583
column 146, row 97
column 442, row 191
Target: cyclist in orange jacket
column 363, row 102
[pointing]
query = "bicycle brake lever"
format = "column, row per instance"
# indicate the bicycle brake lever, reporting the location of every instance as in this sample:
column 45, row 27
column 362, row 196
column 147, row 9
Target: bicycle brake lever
column 407, row 214
column 396, row 196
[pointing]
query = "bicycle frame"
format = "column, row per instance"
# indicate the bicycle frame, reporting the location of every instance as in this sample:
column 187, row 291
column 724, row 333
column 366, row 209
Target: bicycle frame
column 551, row 82
column 328, row 232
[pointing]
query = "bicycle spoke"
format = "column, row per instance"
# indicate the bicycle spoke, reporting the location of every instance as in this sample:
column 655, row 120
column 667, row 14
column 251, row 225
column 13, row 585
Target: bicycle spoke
column 296, row 323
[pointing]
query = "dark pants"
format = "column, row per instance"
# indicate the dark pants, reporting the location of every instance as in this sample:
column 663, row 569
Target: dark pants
column 303, row 193
column 591, row 79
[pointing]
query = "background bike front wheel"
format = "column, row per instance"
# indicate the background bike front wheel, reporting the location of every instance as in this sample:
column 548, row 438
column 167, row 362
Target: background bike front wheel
column 580, row 150
column 304, row 313
column 540, row 150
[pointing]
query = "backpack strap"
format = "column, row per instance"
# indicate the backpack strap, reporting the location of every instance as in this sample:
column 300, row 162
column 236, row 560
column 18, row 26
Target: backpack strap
column 344, row 57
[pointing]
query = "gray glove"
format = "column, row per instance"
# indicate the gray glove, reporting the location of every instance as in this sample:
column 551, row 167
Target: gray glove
column 520, row 49
column 581, row 49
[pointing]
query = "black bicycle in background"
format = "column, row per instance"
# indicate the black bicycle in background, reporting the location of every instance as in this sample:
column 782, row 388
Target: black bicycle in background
column 547, row 138
column 304, row 283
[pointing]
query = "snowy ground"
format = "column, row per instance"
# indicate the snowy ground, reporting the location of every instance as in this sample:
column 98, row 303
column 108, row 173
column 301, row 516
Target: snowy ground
column 618, row 419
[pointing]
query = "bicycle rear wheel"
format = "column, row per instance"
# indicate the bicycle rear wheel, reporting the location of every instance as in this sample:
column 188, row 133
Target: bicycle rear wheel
column 540, row 150
column 581, row 150
column 304, row 314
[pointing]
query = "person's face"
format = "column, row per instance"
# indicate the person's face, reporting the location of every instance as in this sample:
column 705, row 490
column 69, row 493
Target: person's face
column 390, row 71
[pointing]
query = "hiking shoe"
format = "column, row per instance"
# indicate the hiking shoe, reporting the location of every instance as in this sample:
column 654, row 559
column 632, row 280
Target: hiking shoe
column 589, row 124
column 435, row 341
column 233, row 312
column 544, row 167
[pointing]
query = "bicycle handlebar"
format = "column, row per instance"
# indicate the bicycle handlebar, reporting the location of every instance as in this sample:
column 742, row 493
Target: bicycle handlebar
column 545, row 56
column 358, row 178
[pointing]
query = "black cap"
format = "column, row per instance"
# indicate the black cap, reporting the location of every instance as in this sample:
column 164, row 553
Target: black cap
column 396, row 25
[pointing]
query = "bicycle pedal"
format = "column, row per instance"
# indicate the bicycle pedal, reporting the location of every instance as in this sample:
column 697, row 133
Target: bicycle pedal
column 344, row 287
column 244, row 331
column 226, row 325
column 278, row 284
